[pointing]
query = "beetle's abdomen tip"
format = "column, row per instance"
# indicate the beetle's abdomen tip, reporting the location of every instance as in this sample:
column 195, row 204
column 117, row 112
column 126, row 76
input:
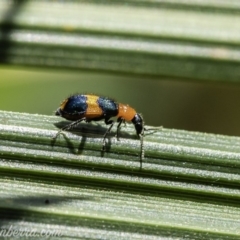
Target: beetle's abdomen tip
column 57, row 113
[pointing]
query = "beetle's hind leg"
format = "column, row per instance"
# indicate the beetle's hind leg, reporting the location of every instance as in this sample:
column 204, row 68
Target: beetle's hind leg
column 107, row 121
column 68, row 127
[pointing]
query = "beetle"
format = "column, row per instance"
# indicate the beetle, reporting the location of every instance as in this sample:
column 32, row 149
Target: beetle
column 90, row 107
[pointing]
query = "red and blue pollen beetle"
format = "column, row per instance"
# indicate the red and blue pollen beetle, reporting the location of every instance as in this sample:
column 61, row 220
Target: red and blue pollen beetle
column 89, row 107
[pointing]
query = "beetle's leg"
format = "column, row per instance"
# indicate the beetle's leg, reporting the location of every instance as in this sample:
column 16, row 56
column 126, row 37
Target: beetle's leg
column 68, row 127
column 120, row 121
column 107, row 121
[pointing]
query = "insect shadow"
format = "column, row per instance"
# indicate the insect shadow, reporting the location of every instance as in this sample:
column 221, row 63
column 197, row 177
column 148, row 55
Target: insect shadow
column 86, row 130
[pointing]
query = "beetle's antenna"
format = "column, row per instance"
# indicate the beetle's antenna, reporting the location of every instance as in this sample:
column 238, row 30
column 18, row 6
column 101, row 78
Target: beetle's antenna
column 153, row 129
column 141, row 150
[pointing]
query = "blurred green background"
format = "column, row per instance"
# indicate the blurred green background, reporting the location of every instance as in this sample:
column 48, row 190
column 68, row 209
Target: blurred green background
column 206, row 107
column 175, row 62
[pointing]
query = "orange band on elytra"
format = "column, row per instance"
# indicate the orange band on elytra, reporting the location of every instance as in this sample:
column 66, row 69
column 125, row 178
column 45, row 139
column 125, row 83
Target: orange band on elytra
column 93, row 109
